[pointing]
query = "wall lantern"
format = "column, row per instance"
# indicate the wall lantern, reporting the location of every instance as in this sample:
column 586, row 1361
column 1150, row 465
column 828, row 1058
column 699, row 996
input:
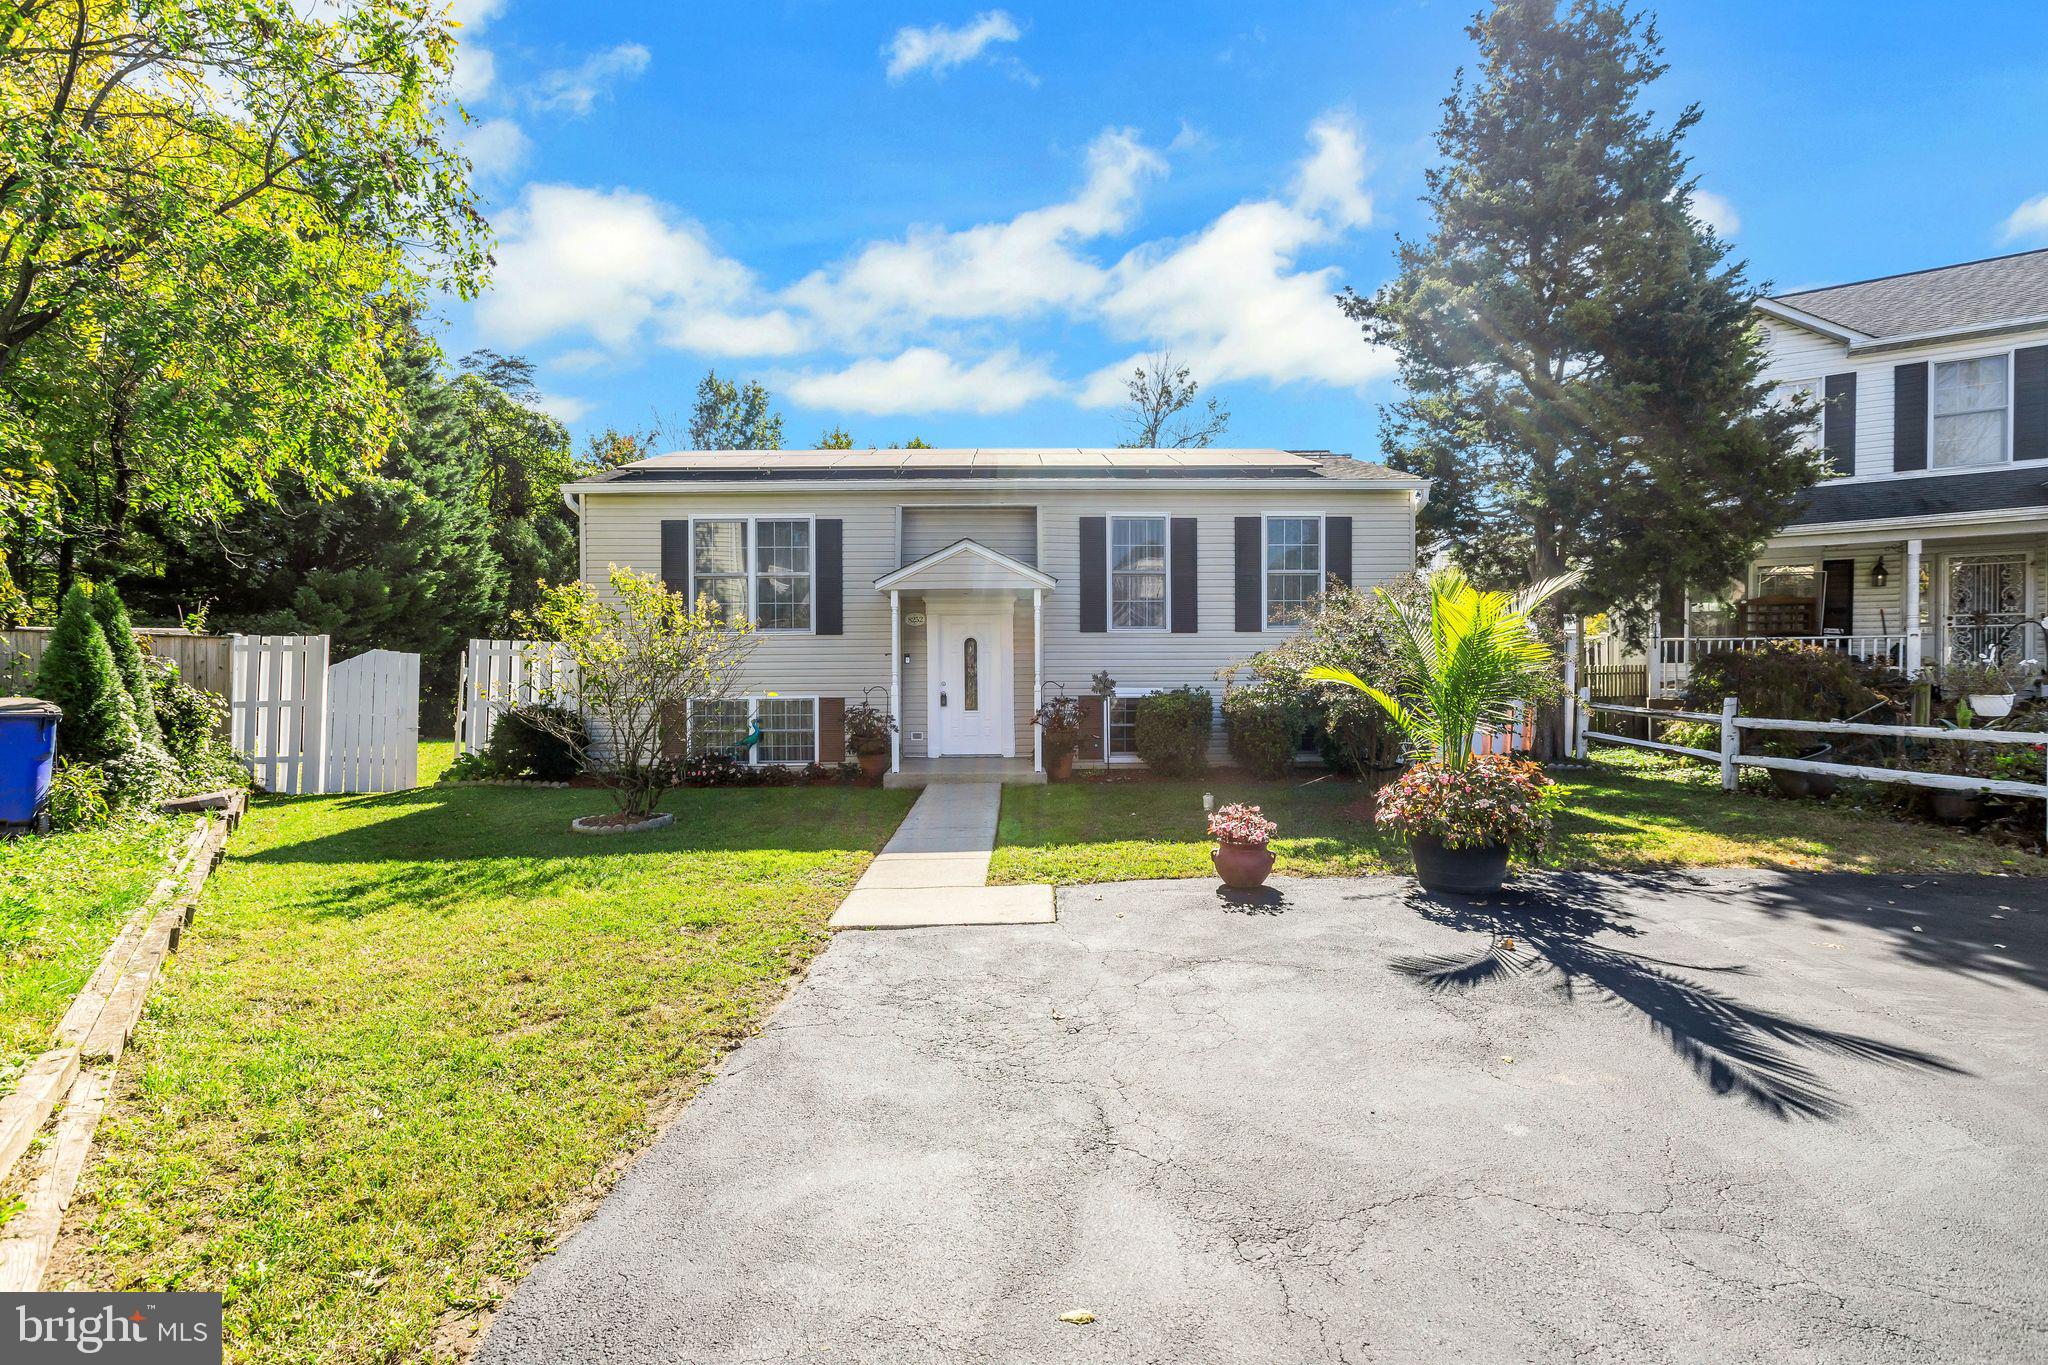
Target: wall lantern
column 1878, row 577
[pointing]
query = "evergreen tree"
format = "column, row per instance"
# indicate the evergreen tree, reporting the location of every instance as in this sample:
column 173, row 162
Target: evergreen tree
column 1580, row 370
column 78, row 674
column 108, row 610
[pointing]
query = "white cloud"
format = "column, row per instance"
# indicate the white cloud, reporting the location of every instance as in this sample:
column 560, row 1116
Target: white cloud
column 561, row 407
column 923, row 379
column 476, row 71
column 577, row 88
column 497, row 148
column 1716, row 213
column 579, row 360
column 939, row 48
column 1004, row 270
column 607, row 265
column 1230, row 301
column 2028, row 220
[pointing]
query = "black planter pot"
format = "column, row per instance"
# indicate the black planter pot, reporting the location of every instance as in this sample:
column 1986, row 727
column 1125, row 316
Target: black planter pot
column 1457, row 871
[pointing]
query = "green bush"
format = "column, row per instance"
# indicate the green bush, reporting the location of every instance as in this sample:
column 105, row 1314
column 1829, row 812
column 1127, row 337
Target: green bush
column 1342, row 627
column 1172, row 733
column 1791, row 682
column 78, row 797
column 528, row 741
column 188, row 717
column 78, row 673
column 112, row 614
column 141, row 777
column 1263, row 722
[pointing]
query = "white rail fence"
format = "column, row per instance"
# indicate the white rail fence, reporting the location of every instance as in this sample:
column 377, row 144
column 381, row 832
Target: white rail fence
column 500, row 674
column 1729, row 756
column 373, row 722
column 305, row 727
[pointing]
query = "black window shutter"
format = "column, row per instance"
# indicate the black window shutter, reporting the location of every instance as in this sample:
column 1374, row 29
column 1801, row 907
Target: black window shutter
column 1094, row 574
column 1182, row 584
column 675, row 555
column 1251, row 593
column 1838, row 423
column 2030, row 403
column 1337, row 549
column 1909, row 416
column 829, row 611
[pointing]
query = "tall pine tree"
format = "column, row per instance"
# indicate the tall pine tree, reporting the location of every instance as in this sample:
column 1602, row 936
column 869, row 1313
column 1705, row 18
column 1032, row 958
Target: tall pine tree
column 1580, row 370
column 112, row 614
column 77, row 672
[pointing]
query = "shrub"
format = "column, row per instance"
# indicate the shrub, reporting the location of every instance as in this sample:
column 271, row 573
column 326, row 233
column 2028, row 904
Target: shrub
column 189, row 718
column 78, row 673
column 537, row 741
column 1263, row 722
column 141, row 777
column 78, row 797
column 1791, row 682
column 112, row 614
column 1172, row 733
column 1345, row 628
column 1493, row 801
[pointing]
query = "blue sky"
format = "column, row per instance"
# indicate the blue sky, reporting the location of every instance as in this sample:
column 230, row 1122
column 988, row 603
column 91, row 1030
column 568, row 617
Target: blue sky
column 963, row 223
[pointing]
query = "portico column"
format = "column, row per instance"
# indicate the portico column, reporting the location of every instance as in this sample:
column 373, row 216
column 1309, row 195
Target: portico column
column 1912, row 608
column 1037, row 675
column 895, row 680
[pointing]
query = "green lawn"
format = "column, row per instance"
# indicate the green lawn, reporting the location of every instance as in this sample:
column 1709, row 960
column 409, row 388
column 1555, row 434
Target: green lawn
column 406, row 1031
column 62, row 900
column 1628, row 810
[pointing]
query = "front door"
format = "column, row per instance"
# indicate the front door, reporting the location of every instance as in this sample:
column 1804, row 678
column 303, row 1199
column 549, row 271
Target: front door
column 1987, row 605
column 970, row 682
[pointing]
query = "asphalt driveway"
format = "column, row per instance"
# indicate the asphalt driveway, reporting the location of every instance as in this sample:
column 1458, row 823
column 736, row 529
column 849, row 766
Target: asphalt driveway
column 1736, row 1116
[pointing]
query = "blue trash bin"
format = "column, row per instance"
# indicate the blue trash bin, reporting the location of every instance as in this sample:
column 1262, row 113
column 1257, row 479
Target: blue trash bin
column 28, row 747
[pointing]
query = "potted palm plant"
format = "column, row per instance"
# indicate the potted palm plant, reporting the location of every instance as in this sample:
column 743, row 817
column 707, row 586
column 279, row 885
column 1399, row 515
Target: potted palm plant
column 1060, row 719
column 867, row 738
column 1463, row 659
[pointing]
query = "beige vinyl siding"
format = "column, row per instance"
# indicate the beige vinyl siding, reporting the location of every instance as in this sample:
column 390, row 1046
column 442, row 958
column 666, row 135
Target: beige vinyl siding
column 625, row 528
column 1011, row 531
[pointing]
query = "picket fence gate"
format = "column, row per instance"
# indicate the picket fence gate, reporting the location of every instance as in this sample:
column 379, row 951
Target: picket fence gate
column 500, row 674
column 304, row 727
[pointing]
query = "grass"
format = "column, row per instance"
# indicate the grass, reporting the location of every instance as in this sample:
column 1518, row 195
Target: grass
column 62, row 900
column 407, row 1032
column 1628, row 810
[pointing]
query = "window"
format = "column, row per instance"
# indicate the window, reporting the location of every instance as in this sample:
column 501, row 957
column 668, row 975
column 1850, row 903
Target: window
column 789, row 730
column 789, row 727
column 970, row 674
column 1294, row 566
column 718, row 564
column 1137, row 573
column 1809, row 392
column 1969, row 406
column 1123, row 727
column 1789, row 580
column 776, row 592
column 782, row 579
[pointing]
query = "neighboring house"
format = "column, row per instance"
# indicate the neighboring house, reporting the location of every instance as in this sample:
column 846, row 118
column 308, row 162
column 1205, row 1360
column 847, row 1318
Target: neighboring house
column 1930, row 537
column 956, row 588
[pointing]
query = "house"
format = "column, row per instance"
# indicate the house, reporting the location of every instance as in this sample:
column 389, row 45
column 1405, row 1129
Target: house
column 957, row 588
column 1929, row 537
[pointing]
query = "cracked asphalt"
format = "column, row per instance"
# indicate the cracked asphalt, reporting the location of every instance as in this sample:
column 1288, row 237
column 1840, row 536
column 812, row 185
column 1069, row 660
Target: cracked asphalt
column 1724, row 1116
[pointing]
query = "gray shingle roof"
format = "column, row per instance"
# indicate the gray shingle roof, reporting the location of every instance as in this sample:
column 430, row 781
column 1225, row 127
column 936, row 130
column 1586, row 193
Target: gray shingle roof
column 778, row 466
column 1976, row 293
column 2021, row 486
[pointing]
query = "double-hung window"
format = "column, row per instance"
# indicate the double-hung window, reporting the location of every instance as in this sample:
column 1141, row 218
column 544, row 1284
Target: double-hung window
column 1137, row 573
column 789, row 727
column 1969, row 412
column 1802, row 391
column 1294, row 567
column 1120, row 740
column 775, row 592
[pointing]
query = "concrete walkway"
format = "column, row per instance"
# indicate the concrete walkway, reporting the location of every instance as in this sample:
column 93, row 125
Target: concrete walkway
column 934, row 870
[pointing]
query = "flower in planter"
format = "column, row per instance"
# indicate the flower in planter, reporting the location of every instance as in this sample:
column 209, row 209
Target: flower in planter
column 1495, row 801
column 868, row 729
column 1060, row 719
column 1240, row 824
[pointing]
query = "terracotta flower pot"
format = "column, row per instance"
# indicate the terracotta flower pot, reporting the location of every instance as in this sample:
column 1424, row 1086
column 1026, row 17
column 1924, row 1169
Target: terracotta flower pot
column 1457, row 871
column 872, row 766
column 1059, row 766
column 1243, row 866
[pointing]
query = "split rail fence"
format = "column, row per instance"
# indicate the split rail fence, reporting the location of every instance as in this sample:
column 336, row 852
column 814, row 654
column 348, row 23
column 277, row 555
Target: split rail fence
column 1730, row 758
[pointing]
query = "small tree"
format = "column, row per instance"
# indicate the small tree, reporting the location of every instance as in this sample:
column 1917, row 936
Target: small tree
column 1160, row 391
column 78, row 673
column 112, row 614
column 729, row 416
column 638, row 655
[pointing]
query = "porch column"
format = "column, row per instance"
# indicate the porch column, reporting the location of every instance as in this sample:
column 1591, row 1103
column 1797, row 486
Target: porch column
column 1912, row 608
column 1037, row 675
column 896, row 680
column 1653, row 683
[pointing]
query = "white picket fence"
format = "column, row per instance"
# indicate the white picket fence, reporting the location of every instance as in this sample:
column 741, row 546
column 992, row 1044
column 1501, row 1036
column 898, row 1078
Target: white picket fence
column 500, row 674
column 303, row 726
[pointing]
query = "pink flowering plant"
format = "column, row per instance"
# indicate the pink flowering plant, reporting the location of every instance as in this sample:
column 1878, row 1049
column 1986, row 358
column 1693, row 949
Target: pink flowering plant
column 1496, row 801
column 1238, row 824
